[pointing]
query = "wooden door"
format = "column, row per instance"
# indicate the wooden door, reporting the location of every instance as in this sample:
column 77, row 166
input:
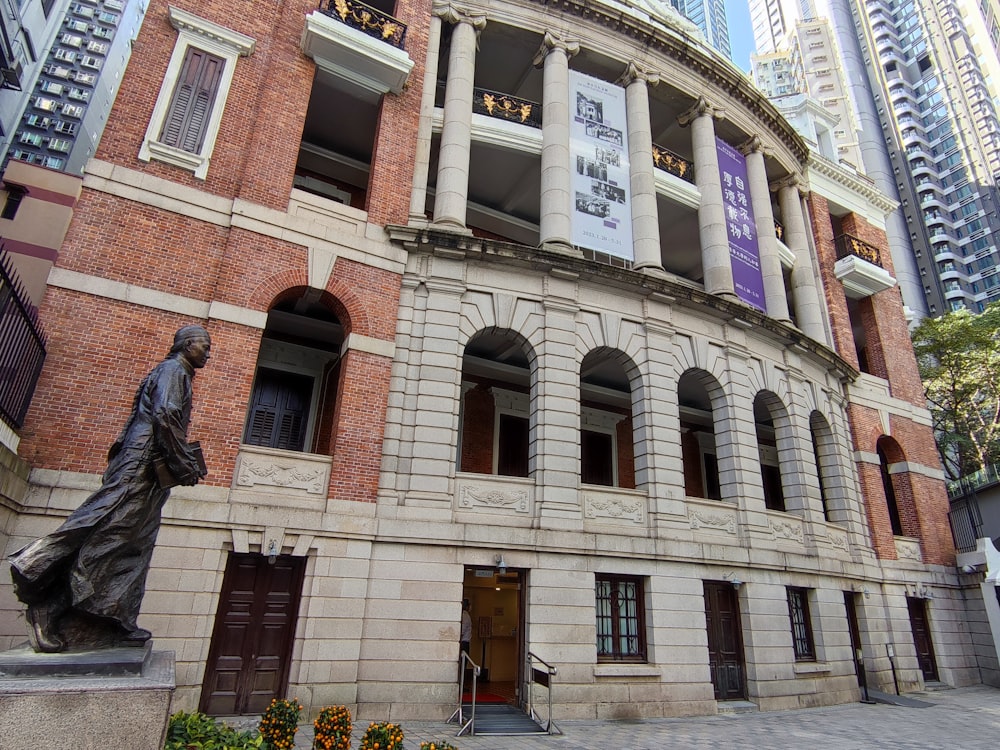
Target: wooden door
column 254, row 629
column 725, row 641
column 922, row 638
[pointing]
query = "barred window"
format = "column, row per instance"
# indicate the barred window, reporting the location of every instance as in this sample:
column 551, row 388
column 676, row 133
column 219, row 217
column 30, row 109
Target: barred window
column 621, row 630
column 798, row 613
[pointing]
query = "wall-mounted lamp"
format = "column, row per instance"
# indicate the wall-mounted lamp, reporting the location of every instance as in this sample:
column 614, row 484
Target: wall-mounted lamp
column 733, row 579
column 861, row 589
column 501, row 564
column 272, row 552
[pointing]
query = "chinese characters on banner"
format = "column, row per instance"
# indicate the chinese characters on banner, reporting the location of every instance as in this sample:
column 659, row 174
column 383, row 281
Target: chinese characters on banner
column 741, row 229
column 602, row 210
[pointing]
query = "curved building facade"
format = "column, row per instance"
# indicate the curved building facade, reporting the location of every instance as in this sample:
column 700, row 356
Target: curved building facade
column 535, row 305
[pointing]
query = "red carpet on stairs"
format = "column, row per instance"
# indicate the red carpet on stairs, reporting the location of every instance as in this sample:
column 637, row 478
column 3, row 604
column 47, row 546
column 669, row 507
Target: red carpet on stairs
column 482, row 697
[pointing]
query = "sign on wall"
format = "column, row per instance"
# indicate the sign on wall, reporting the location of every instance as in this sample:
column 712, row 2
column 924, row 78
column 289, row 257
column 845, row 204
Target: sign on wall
column 602, row 210
column 741, row 228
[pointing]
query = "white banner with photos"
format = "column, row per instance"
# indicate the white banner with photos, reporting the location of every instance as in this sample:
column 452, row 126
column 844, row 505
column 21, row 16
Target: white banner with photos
column 602, row 209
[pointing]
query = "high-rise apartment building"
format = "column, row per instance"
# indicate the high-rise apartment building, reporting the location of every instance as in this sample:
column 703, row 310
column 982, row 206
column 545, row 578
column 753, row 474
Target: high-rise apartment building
column 933, row 70
column 63, row 106
column 710, row 17
column 915, row 84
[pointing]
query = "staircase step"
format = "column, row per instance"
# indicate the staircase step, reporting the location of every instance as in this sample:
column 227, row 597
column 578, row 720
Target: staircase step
column 737, row 707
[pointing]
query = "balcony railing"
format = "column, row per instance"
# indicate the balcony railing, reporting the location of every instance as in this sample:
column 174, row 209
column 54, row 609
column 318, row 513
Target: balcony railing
column 365, row 18
column 678, row 166
column 22, row 347
column 506, row 107
column 970, row 483
column 848, row 245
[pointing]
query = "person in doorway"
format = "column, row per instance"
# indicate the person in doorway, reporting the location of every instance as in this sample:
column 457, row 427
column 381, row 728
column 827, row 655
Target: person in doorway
column 466, row 636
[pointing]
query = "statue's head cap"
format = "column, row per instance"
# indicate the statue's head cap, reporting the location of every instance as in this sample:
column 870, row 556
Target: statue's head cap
column 185, row 335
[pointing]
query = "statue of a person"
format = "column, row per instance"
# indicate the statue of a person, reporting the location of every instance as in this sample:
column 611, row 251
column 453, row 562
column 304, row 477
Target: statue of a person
column 84, row 582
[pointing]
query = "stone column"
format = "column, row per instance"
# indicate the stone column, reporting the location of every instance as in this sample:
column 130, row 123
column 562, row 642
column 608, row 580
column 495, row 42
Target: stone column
column 645, row 222
column 422, row 158
column 715, row 263
column 808, row 312
column 556, row 194
column 770, row 261
column 452, row 196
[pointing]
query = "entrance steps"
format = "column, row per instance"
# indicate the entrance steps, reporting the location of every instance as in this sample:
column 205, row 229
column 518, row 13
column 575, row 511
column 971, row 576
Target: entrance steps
column 730, row 708
column 502, row 720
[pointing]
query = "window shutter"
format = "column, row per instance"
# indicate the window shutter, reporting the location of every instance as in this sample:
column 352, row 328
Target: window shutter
column 187, row 116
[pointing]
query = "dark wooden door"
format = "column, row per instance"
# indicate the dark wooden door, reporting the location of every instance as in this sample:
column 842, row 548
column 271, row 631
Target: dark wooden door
column 725, row 641
column 922, row 638
column 252, row 641
column 850, row 605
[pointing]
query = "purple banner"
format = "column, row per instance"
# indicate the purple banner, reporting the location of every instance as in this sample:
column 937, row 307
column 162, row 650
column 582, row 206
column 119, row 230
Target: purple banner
column 744, row 253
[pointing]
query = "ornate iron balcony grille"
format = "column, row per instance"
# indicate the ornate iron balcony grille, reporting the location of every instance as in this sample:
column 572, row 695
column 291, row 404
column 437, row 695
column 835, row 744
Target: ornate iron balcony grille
column 506, row 107
column 848, row 245
column 365, row 18
column 22, row 347
column 668, row 161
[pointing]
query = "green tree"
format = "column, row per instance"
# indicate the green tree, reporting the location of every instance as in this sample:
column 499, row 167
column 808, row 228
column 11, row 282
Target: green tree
column 959, row 359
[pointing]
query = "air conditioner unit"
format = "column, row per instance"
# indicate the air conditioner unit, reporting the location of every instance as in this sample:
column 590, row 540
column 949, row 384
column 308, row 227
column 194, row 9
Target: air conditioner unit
column 11, row 77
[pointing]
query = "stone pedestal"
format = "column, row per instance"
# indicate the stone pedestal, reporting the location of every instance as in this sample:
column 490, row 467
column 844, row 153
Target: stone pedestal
column 115, row 698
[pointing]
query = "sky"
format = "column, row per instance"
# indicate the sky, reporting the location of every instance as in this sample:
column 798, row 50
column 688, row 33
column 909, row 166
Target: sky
column 740, row 33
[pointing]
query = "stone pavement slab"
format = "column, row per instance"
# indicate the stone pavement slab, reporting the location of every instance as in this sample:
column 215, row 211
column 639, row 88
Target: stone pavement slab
column 961, row 719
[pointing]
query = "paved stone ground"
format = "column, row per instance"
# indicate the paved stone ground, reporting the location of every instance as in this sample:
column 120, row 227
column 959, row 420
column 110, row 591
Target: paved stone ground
column 961, row 719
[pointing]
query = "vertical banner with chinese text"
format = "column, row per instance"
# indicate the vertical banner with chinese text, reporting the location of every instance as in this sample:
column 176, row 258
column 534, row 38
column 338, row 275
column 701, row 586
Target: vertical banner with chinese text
column 602, row 210
column 741, row 229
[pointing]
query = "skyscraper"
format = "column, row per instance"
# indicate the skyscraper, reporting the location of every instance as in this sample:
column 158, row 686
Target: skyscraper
column 918, row 82
column 933, row 70
column 66, row 101
column 710, row 17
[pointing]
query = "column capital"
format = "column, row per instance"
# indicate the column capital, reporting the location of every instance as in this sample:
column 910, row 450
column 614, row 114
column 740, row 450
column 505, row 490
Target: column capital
column 455, row 14
column 753, row 145
column 794, row 181
column 701, row 107
column 550, row 43
column 634, row 73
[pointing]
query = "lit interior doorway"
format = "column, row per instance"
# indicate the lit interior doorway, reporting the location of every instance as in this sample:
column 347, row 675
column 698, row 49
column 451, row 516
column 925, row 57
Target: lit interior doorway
column 496, row 597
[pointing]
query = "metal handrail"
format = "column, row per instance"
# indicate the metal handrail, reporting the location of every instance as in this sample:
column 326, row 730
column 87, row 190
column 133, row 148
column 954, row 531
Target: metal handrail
column 459, row 715
column 543, row 678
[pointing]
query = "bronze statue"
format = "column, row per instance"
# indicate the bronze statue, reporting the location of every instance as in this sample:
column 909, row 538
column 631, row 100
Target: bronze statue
column 84, row 582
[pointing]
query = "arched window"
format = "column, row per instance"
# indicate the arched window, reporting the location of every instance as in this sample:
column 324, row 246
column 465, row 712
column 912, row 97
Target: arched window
column 494, row 433
column 883, row 447
column 295, row 386
column 767, row 447
column 607, row 453
column 698, row 445
column 824, row 453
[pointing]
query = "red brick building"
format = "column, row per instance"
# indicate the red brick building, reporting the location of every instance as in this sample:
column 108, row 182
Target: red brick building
column 429, row 383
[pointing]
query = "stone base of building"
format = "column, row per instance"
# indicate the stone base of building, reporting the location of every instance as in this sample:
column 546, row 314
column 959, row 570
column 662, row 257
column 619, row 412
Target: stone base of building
column 116, row 698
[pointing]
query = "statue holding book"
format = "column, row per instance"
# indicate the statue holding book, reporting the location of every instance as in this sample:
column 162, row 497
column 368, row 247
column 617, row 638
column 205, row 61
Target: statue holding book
column 83, row 583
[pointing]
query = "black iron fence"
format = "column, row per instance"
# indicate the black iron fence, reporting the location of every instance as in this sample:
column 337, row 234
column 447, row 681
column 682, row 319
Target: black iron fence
column 966, row 521
column 506, row 107
column 22, row 346
column 668, row 161
column 850, row 245
column 371, row 21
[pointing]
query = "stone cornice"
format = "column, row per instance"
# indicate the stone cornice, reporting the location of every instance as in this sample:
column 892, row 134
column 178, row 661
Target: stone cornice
column 853, row 182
